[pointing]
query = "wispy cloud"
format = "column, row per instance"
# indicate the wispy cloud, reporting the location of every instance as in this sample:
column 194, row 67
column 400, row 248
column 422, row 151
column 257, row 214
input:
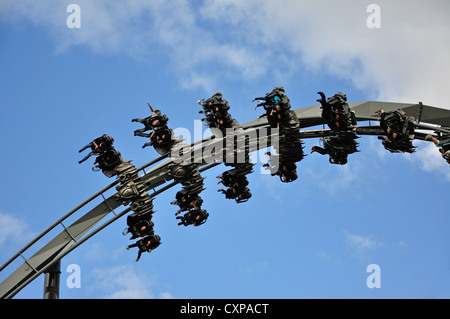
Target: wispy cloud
column 145, row 30
column 254, row 268
column 429, row 159
column 14, row 231
column 122, row 282
column 336, row 180
column 323, row 256
column 361, row 244
column 166, row 295
column 332, row 37
column 96, row 252
column 404, row 60
column 117, row 281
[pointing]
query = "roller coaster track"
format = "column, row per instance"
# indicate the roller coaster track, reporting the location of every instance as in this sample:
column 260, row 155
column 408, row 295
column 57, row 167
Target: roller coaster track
column 428, row 118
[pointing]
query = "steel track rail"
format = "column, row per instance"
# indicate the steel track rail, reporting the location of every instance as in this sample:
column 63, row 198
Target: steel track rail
column 62, row 244
column 77, row 233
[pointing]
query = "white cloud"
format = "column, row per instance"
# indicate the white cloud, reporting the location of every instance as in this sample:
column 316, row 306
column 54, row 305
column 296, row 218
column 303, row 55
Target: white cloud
column 166, row 295
column 13, row 230
column 323, row 256
column 361, row 244
column 123, row 282
column 429, row 159
column 405, row 60
column 336, row 180
column 96, row 252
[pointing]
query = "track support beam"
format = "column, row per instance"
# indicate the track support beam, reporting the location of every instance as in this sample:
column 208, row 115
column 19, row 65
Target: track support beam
column 51, row 281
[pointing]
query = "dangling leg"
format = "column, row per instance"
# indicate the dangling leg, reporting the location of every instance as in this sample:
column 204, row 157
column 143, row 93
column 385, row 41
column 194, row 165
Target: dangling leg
column 86, row 157
column 147, row 144
column 132, row 246
column 139, row 255
column 87, row 146
column 138, row 120
column 137, row 133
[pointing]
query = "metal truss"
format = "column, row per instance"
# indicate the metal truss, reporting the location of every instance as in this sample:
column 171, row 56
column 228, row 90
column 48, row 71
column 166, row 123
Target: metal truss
column 157, row 179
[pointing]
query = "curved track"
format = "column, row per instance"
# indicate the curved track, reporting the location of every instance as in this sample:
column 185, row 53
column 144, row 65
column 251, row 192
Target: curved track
column 71, row 237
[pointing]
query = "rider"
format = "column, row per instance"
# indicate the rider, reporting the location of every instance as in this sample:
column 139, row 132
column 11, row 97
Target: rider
column 337, row 148
column 98, row 146
column 277, row 106
column 336, row 112
column 195, row 217
column 443, row 144
column 239, row 193
column 146, row 244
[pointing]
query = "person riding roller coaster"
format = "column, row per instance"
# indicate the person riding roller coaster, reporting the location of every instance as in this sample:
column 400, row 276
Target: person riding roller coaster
column 146, row 244
column 139, row 225
column 286, row 168
column 152, row 122
column 161, row 137
column 141, row 229
column 287, row 172
column 215, row 110
column 187, row 201
column 277, row 107
column 336, row 156
column 338, row 147
column 444, row 145
column 290, row 148
column 98, row 146
column 398, row 129
column 230, row 179
column 108, row 158
column 236, row 182
column 194, row 217
column 240, row 194
column 188, row 198
column 336, row 112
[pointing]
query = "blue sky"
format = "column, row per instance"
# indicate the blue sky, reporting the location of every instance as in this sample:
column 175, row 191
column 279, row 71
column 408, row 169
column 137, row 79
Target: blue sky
column 313, row 238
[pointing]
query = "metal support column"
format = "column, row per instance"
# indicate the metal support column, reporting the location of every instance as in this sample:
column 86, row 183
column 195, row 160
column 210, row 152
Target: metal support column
column 51, row 281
